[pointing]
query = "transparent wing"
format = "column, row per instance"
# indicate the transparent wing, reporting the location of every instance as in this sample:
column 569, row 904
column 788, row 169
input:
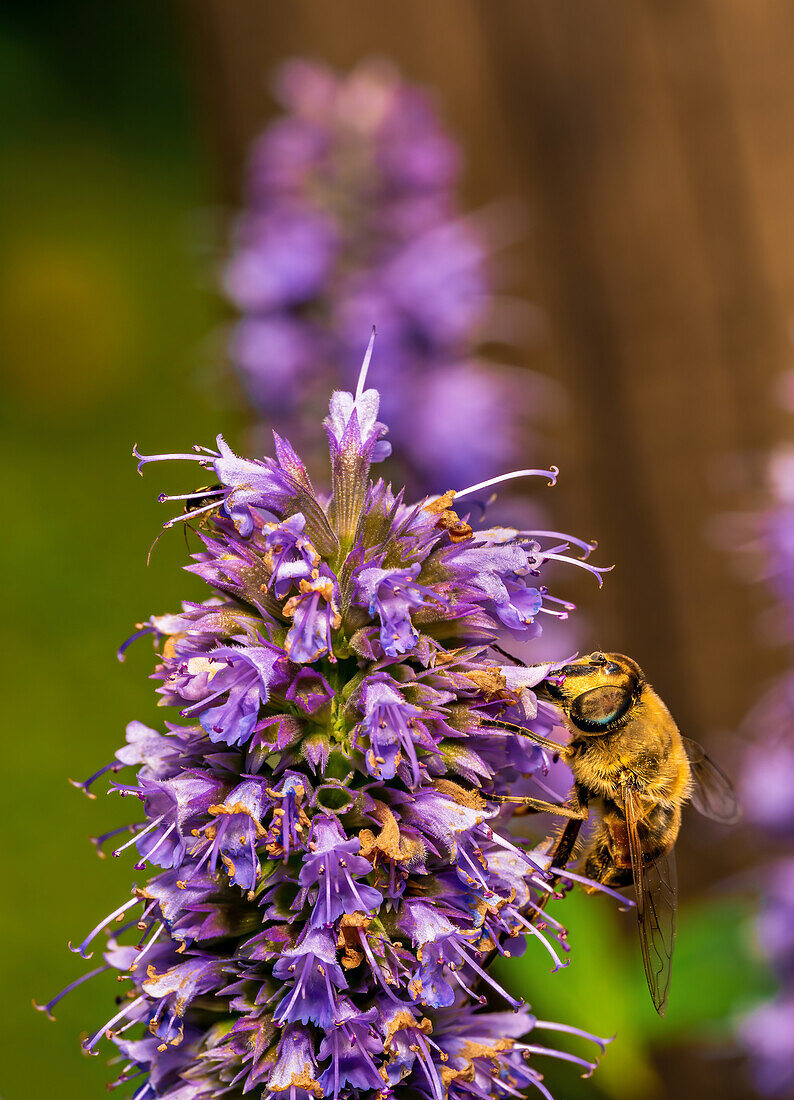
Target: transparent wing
column 713, row 794
column 656, row 889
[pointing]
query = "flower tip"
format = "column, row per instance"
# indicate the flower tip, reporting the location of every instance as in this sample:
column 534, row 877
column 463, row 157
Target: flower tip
column 43, row 1008
column 597, row 572
column 554, row 473
column 79, row 951
column 82, row 787
column 362, row 376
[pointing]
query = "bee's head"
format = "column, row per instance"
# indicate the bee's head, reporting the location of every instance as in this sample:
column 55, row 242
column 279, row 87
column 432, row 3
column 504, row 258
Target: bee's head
column 595, row 692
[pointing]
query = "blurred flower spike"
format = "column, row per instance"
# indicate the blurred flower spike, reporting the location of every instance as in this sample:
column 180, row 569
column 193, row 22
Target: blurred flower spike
column 351, row 217
column 767, row 1033
column 331, row 862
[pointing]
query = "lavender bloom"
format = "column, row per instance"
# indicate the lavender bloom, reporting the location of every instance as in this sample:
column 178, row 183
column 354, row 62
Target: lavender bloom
column 325, row 832
column 767, row 1034
column 352, row 219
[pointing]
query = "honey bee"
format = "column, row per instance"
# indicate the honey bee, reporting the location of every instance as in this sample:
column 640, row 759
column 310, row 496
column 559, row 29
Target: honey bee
column 626, row 753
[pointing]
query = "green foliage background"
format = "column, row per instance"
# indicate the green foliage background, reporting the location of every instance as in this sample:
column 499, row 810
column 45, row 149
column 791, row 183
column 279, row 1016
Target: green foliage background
column 108, row 340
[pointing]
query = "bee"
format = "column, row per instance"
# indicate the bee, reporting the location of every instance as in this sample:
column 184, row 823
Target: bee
column 627, row 754
column 205, row 498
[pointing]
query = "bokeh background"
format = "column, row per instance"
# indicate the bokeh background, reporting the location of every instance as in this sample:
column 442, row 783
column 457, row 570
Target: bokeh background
column 649, row 144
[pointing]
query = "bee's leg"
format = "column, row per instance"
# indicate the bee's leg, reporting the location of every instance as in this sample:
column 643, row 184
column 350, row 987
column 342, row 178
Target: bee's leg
column 557, row 748
column 566, row 842
column 559, row 809
column 602, row 864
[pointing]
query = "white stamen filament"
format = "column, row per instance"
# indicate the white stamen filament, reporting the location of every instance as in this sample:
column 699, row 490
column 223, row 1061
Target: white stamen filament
column 596, row 570
column 189, row 496
column 569, row 1029
column 149, row 945
column 139, row 834
column 588, row 547
column 106, row 1027
column 532, row 1048
column 116, row 914
column 362, row 374
column 189, row 515
column 551, row 474
column 203, row 459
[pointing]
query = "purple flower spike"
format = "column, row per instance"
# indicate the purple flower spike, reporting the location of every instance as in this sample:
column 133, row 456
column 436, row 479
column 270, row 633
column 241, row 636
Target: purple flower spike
column 767, row 1032
column 327, row 856
column 352, row 220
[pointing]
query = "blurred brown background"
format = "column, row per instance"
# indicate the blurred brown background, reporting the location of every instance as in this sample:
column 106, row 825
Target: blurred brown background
column 649, row 142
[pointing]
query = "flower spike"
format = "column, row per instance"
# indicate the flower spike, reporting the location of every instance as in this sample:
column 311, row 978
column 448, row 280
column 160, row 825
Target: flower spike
column 326, row 855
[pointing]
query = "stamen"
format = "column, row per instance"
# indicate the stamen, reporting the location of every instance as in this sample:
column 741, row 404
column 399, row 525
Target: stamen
column 98, row 841
column 163, row 497
column 556, row 599
column 569, row 1029
column 551, row 474
column 376, row 967
column 485, row 976
column 429, row 1068
column 106, row 1027
column 138, row 835
column 148, row 946
column 536, row 1081
column 140, row 865
column 558, row 962
column 95, row 931
column 588, row 547
column 121, row 651
column 143, row 459
column 189, row 515
column 563, row 872
column 50, row 1005
column 596, row 570
column 114, row 765
column 202, row 702
column 362, row 374
column 532, row 1048
column 500, row 840
column 454, row 974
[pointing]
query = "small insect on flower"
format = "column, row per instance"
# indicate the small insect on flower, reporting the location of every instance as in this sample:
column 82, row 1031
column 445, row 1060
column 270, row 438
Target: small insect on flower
column 325, row 844
column 627, row 753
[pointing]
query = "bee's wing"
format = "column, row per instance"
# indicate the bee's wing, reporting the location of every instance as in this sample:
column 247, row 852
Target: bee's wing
column 712, row 792
column 656, row 888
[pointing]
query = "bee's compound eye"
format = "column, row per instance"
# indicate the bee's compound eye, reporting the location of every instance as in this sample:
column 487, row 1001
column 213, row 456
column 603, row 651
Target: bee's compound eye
column 597, row 708
column 611, row 668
